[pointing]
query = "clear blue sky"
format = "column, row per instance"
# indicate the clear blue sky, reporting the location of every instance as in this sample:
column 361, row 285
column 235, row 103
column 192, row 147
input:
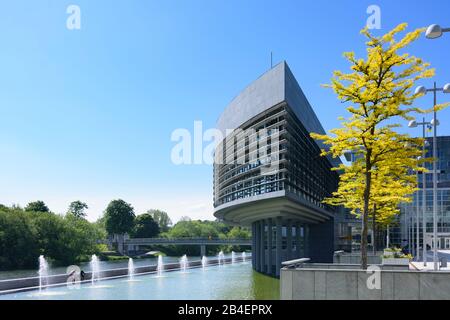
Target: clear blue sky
column 87, row 114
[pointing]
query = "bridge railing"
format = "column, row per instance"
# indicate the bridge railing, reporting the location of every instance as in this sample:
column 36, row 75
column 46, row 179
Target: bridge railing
column 188, row 240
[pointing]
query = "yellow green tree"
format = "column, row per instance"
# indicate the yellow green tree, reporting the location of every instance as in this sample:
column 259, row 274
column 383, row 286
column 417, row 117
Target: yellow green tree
column 379, row 92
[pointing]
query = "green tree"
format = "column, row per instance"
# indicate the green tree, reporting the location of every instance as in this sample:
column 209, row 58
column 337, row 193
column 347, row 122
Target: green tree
column 77, row 209
column 119, row 217
column 378, row 87
column 37, row 206
column 161, row 218
column 193, row 229
column 24, row 235
column 239, row 233
column 18, row 240
column 145, row 226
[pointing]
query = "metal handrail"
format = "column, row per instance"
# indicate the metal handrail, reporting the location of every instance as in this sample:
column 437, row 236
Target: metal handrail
column 184, row 240
column 295, row 263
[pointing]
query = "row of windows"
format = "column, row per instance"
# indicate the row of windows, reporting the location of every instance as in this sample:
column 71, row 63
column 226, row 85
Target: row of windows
column 308, row 174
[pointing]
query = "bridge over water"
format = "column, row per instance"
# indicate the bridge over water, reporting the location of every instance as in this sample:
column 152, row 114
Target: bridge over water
column 133, row 244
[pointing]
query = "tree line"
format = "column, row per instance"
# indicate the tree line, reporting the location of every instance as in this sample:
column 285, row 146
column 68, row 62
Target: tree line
column 26, row 233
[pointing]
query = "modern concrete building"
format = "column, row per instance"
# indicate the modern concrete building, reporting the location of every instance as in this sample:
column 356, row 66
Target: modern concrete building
column 269, row 174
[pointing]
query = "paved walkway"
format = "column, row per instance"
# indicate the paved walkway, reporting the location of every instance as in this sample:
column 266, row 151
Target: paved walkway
column 419, row 265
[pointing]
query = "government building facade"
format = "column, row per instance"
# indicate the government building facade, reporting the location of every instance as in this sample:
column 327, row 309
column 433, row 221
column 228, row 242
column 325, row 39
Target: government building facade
column 269, row 175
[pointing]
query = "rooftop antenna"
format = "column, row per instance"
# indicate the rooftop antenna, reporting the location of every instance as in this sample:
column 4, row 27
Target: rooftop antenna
column 271, row 60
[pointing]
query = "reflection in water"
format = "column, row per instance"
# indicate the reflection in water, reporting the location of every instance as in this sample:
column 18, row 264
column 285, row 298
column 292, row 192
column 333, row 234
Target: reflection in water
column 253, row 286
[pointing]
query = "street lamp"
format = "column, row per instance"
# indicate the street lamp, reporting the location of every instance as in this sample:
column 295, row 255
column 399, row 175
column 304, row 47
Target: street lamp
column 435, row 123
column 417, row 216
column 424, row 124
column 435, row 31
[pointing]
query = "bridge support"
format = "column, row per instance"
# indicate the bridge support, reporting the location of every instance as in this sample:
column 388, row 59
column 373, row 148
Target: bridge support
column 202, row 250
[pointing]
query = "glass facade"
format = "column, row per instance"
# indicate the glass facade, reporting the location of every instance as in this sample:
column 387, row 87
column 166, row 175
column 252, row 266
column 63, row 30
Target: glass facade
column 301, row 170
column 406, row 231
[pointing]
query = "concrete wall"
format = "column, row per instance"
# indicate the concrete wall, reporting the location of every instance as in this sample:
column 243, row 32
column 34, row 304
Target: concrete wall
column 330, row 283
column 355, row 258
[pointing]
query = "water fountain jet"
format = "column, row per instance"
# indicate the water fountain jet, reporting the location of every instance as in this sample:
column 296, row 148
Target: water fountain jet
column 233, row 257
column 220, row 258
column 95, row 269
column 131, row 269
column 184, row 263
column 204, row 262
column 160, row 266
column 43, row 272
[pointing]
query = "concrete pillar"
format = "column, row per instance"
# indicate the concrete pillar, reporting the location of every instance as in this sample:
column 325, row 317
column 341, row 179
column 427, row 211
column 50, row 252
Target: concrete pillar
column 253, row 246
column 306, row 241
column 298, row 238
column 269, row 247
column 258, row 246
column 289, row 240
column 202, row 250
column 321, row 242
column 279, row 248
column 262, row 251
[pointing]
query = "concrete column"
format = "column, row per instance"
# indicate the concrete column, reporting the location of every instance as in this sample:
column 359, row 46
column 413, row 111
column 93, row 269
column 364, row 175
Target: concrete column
column 279, row 248
column 306, row 240
column 289, row 240
column 298, row 241
column 262, row 251
column 253, row 245
column 202, row 250
column 258, row 246
column 321, row 242
column 269, row 247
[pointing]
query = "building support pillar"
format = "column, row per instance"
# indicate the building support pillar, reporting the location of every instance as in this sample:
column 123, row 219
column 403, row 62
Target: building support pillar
column 279, row 247
column 298, row 241
column 306, row 241
column 289, row 240
column 254, row 245
column 269, row 247
column 321, row 242
column 258, row 246
column 262, row 251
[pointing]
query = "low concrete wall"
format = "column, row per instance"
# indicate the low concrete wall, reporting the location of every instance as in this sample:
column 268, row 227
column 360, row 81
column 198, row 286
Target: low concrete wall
column 343, row 283
column 355, row 258
column 31, row 283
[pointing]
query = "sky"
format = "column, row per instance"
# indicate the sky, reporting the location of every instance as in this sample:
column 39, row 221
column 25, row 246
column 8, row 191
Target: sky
column 87, row 114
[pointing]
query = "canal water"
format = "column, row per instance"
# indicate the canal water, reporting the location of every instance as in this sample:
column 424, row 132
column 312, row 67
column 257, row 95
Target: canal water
column 85, row 266
column 232, row 281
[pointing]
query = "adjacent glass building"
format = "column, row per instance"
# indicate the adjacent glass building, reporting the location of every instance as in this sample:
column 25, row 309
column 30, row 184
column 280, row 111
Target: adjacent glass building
column 405, row 234
column 269, row 174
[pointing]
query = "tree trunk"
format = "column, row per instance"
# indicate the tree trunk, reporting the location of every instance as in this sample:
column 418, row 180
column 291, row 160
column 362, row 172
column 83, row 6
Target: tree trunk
column 374, row 228
column 366, row 211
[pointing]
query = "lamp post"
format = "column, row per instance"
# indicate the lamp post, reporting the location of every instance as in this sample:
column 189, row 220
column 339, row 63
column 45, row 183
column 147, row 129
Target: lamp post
column 424, row 124
column 434, row 123
column 417, row 217
column 435, row 31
